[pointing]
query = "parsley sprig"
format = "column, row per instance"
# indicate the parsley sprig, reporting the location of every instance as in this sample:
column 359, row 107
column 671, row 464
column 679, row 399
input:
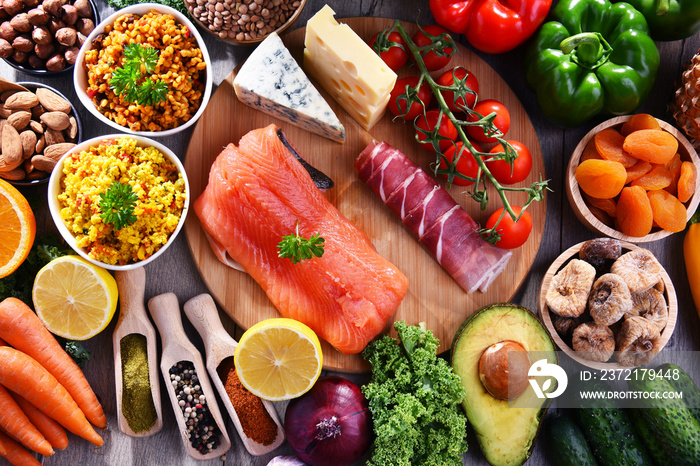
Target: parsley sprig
column 125, row 80
column 297, row 249
column 117, row 204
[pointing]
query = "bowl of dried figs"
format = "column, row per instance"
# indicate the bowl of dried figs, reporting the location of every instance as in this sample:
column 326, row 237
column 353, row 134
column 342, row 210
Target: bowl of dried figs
column 39, row 126
column 43, row 37
column 608, row 304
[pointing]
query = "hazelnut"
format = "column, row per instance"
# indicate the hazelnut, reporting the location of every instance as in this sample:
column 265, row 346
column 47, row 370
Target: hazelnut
column 21, row 22
column 84, row 8
column 71, row 54
column 7, row 32
column 55, row 24
column 66, row 36
column 69, row 14
column 4, row 14
column 56, row 63
column 53, row 7
column 80, row 39
column 38, row 17
column 85, row 26
column 44, row 51
column 23, row 43
column 503, row 369
column 5, row 49
column 36, row 62
column 31, row 3
column 20, row 57
column 41, row 35
column 12, row 7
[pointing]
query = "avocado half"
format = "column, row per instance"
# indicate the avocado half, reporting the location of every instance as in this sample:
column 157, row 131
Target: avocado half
column 506, row 430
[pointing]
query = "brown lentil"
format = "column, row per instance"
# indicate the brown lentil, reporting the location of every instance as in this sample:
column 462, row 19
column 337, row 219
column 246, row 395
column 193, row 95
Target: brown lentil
column 242, row 20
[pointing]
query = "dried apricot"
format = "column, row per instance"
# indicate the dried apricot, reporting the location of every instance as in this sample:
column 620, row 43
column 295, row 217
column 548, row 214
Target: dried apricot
column 658, row 178
column 590, row 152
column 637, row 170
column 601, row 179
column 634, row 214
column 639, row 121
column 674, row 167
column 651, row 145
column 668, row 211
column 606, row 205
column 609, row 144
column 686, row 181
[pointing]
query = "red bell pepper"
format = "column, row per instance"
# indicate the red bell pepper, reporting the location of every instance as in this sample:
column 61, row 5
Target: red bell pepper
column 492, row 26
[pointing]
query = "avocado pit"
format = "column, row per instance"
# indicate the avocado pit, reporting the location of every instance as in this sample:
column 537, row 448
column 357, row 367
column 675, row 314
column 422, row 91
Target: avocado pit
column 503, row 368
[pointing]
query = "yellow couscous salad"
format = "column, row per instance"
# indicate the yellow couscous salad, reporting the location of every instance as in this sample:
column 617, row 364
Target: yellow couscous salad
column 178, row 65
column 153, row 182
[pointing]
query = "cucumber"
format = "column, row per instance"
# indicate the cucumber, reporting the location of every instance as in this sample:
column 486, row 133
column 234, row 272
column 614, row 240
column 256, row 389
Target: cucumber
column 670, row 420
column 651, row 441
column 685, row 384
column 567, row 444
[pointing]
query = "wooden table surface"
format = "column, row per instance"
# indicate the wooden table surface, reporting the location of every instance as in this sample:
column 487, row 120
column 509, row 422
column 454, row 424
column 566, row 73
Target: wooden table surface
column 175, row 270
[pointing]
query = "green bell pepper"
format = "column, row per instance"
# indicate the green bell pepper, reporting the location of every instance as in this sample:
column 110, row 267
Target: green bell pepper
column 670, row 19
column 593, row 56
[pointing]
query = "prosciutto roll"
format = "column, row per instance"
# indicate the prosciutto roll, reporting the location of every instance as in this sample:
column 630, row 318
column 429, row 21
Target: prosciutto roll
column 432, row 215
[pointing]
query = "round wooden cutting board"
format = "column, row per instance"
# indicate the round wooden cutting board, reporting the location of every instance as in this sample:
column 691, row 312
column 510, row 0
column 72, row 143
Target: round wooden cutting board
column 433, row 296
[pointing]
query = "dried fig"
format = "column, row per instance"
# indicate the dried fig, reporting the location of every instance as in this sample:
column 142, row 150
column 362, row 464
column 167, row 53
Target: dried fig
column 565, row 325
column 569, row 288
column 609, row 299
column 594, row 341
column 599, row 251
column 637, row 342
column 639, row 269
column 651, row 305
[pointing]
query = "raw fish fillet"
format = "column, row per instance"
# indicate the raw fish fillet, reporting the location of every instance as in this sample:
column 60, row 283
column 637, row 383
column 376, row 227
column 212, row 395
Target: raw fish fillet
column 255, row 195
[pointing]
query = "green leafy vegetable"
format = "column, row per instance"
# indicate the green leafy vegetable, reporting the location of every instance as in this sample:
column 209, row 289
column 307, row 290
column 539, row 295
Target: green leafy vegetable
column 75, row 350
column 117, row 204
column 125, row 80
column 415, row 401
column 297, row 249
column 179, row 5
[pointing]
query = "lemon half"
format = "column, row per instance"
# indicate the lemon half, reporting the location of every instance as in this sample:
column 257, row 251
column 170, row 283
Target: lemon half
column 74, row 298
column 278, row 359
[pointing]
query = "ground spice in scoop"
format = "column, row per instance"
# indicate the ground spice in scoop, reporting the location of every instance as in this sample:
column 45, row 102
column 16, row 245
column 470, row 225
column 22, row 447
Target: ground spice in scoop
column 137, row 399
column 255, row 420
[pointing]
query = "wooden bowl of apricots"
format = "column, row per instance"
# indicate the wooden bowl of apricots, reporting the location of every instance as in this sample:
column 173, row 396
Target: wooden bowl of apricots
column 634, row 178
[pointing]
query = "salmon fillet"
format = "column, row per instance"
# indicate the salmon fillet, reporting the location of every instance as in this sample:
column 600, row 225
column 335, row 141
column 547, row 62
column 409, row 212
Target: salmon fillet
column 255, row 195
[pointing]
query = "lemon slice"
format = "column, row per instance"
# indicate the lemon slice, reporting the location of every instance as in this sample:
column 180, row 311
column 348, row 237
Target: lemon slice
column 74, row 298
column 278, row 359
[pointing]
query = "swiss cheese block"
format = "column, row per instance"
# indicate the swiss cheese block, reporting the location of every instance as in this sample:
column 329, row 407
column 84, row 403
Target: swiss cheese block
column 347, row 68
column 271, row 81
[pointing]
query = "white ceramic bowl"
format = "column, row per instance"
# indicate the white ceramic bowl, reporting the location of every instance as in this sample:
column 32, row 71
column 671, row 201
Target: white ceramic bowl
column 80, row 78
column 54, row 189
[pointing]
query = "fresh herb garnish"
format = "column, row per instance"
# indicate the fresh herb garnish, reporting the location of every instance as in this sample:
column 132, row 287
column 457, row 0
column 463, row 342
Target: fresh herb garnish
column 125, row 80
column 117, row 204
column 297, row 249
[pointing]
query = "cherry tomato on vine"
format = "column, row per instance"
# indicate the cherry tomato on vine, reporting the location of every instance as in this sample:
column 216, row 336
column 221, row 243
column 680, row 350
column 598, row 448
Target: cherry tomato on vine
column 428, row 122
column 395, row 57
column 484, row 108
column 447, row 79
column 513, row 234
column 501, row 170
column 466, row 165
column 397, row 107
column 432, row 60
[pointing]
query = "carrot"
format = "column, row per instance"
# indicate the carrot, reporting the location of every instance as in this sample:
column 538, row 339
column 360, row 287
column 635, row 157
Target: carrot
column 50, row 429
column 21, row 328
column 14, row 453
column 17, row 424
column 26, row 377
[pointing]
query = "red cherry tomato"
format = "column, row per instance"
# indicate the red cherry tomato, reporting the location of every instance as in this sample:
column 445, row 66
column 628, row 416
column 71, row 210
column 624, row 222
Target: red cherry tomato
column 513, row 234
column 466, row 165
column 398, row 107
column 432, row 60
column 484, row 108
column 447, row 79
column 447, row 130
column 501, row 170
column 395, row 57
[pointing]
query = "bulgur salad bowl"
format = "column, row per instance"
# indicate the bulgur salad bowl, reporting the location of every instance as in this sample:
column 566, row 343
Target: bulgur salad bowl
column 144, row 70
column 119, row 200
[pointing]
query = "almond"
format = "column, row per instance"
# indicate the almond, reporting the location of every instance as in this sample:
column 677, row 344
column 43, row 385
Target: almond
column 37, row 111
column 53, row 137
column 16, row 174
column 43, row 163
column 36, row 127
column 21, row 101
column 55, row 120
column 40, row 145
column 72, row 128
column 57, row 150
column 52, row 102
column 4, row 112
column 37, row 175
column 19, row 119
column 28, row 139
column 5, row 166
column 27, row 166
column 11, row 146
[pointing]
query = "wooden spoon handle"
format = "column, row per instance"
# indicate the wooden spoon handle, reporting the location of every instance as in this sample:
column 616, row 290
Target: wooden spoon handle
column 165, row 311
column 132, row 286
column 202, row 312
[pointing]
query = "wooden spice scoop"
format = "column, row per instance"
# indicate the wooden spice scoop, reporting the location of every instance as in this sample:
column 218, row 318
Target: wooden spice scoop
column 133, row 319
column 165, row 311
column 218, row 345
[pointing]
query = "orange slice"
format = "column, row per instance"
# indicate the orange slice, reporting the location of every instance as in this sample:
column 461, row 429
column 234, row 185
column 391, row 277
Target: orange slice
column 17, row 228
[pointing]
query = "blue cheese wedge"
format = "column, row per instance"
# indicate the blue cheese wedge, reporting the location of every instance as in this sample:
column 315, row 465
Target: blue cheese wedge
column 273, row 82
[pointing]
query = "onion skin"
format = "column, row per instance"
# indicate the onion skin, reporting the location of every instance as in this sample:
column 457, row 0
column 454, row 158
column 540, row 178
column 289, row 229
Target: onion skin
column 331, row 397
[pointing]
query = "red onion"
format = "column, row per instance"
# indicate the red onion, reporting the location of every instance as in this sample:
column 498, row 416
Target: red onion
column 330, row 424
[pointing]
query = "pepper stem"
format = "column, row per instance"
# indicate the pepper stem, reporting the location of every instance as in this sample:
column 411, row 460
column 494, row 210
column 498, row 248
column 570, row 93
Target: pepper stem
column 662, row 7
column 327, row 428
column 587, row 49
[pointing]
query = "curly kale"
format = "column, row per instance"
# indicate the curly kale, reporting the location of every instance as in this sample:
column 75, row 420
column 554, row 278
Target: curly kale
column 75, row 350
column 414, row 398
column 179, row 5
